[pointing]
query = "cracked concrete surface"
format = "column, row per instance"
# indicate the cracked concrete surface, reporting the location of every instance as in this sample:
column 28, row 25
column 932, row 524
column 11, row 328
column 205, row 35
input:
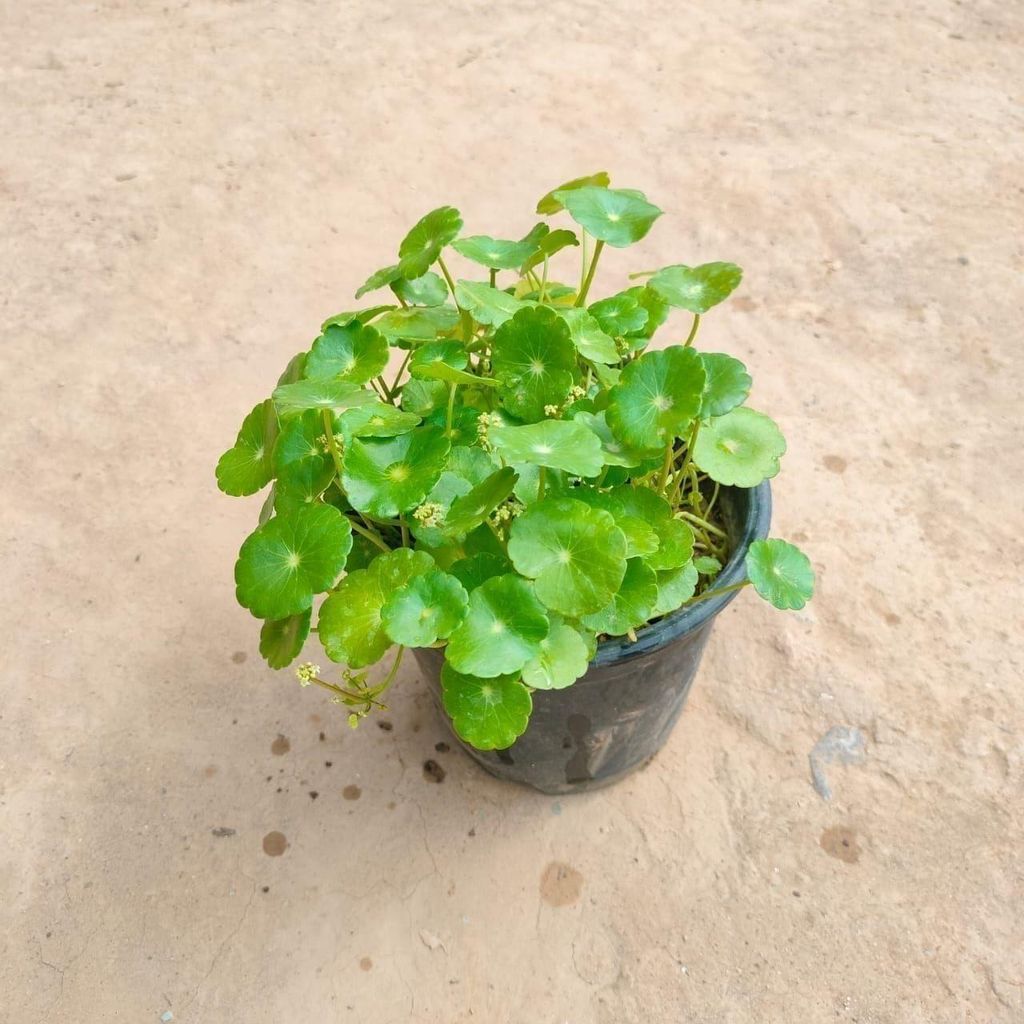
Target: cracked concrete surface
column 186, row 190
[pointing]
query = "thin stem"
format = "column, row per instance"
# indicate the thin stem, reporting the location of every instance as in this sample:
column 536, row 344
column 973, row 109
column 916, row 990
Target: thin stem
column 494, row 277
column 405, row 534
column 452, row 388
column 589, row 279
column 716, row 593
column 583, row 265
column 666, row 466
column 370, row 535
column 467, row 320
column 703, row 524
column 541, row 477
column 385, row 390
column 332, row 444
column 544, row 280
column 693, row 331
column 398, row 376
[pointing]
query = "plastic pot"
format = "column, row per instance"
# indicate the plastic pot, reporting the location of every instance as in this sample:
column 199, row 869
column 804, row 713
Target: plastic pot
column 619, row 714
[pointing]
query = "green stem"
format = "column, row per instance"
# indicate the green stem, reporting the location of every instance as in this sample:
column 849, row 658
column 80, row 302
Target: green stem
column 541, row 477
column 405, row 534
column 370, row 535
column 693, row 331
column 452, row 388
column 467, row 320
column 703, row 524
column 589, row 279
column 332, row 444
column 544, row 280
column 398, row 376
column 583, row 264
column 494, row 277
column 666, row 466
column 716, row 593
column 385, row 390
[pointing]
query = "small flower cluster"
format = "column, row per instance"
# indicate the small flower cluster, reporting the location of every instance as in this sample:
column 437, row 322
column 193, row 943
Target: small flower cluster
column 307, row 672
column 430, row 513
column 507, row 512
column 483, row 423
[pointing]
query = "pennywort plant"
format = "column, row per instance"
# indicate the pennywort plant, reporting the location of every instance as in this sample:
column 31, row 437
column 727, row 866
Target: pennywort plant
column 492, row 460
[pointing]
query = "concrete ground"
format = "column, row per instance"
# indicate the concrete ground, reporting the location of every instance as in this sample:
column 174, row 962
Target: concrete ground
column 187, row 188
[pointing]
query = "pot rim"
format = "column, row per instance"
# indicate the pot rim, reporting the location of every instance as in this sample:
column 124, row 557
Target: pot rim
column 686, row 620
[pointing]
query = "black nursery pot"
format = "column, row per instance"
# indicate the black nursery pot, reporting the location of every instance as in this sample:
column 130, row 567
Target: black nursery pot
column 619, row 714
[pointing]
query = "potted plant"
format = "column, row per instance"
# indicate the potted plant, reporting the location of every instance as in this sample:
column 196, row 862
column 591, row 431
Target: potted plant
column 501, row 473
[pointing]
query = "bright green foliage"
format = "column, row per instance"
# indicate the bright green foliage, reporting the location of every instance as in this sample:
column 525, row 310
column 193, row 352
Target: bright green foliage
column 619, row 217
column 281, row 640
column 533, row 357
column 575, row 554
column 247, row 466
column 696, row 288
column 657, row 397
column 780, row 573
column 422, row 246
column 741, row 448
column 425, row 610
column 387, row 476
column 503, row 470
column 489, row 714
column 355, row 353
column 727, row 386
column 502, row 629
column 283, row 563
column 557, row 444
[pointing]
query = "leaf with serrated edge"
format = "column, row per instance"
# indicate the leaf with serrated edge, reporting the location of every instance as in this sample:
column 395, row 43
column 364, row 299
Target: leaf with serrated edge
column 419, row 323
column 615, row 453
column 707, row 566
column 489, row 714
column 591, row 342
column 488, row 305
column 635, row 518
column 422, row 397
column 549, row 245
column 631, row 606
column 675, row 545
column 727, row 385
column 283, row 563
column 281, row 640
column 473, row 570
column 247, row 466
column 355, row 353
column 618, row 217
column 674, row 587
column 575, row 554
column 657, row 397
column 564, row 657
column 425, row 610
column 379, row 279
column 451, row 352
column 497, row 253
column 502, row 629
column 781, row 573
column 376, row 419
column 470, row 510
column 696, row 289
column 335, row 395
column 557, row 444
column 619, row 315
column 740, row 449
column 422, row 246
column 550, row 204
column 427, row 290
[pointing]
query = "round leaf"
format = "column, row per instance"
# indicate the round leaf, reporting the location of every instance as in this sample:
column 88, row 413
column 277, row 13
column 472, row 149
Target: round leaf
column 615, row 453
column 472, row 509
column 619, row 315
column 419, row 323
column 247, row 466
column 388, row 476
column 333, row 394
column 477, row 569
column 575, row 554
column 283, row 563
column 657, row 313
column 675, row 545
column 741, row 448
column 557, row 444
column 423, row 397
column 453, row 353
column 355, row 353
column 728, row 384
column 780, row 573
column 378, row 279
column 591, row 342
column 489, row 714
column 281, row 640
column 551, row 204
column 502, row 629
column 631, row 606
column 422, row 246
column 563, row 658
column 376, row 419
column 657, row 397
column 488, row 305
column 425, row 610
column 619, row 217
column 497, row 253
column 428, row 290
column 674, row 587
column 696, row 288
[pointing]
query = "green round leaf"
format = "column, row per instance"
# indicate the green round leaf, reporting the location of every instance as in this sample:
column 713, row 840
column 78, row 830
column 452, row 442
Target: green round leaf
column 283, row 563
column 355, row 353
column 335, row 395
column 696, row 289
column 302, row 482
column 707, row 566
column 741, row 448
column 375, row 419
column 631, row 606
column 425, row 610
column 247, row 466
column 534, row 358
column 575, row 554
column 422, row 246
column 675, row 545
column 428, row 290
column 465, row 420
column 299, row 441
column 470, row 510
column 281, row 640
column 422, row 397
column 657, row 397
column 295, row 370
column 419, row 323
column 550, row 244
column 615, row 453
column 499, row 254
column 557, row 444
column 674, row 587
column 590, row 340
column 489, row 714
column 488, row 305
column 728, row 384
column 478, row 568
column 451, row 352
column 350, row 625
column 378, row 279
column 563, row 658
column 364, row 316
column 388, row 476
column 619, row 315
column 657, row 312
column 619, row 217
column 781, row 573
column 551, row 204
column 636, row 511
column 502, row 629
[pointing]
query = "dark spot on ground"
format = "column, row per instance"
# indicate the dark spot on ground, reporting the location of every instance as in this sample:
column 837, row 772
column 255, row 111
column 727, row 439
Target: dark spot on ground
column 442, row 747
column 416, row 726
column 384, row 725
column 834, row 463
column 962, row 260
column 392, row 805
column 841, row 842
column 433, row 772
column 221, row 831
column 323, row 736
column 210, row 770
column 892, row 618
column 238, row 657
column 328, row 764
column 560, row 885
column 351, row 792
column 270, row 778
column 274, row 844
column 366, row 964
column 796, row 892
column 281, row 745
column 265, row 888
column 471, row 833
column 313, row 794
